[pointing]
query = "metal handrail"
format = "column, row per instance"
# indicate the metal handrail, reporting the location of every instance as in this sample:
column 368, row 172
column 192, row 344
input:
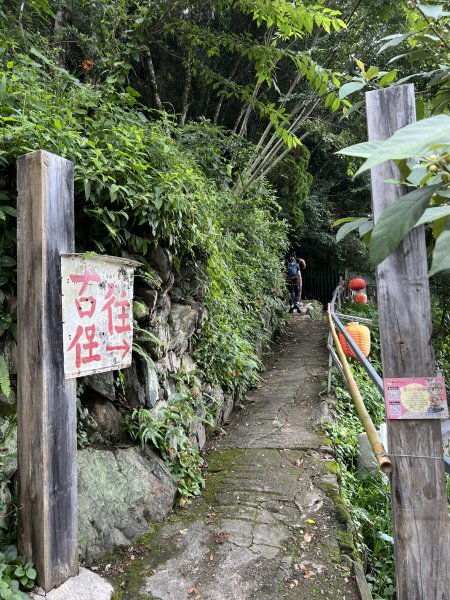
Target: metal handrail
column 367, row 365
column 372, row 434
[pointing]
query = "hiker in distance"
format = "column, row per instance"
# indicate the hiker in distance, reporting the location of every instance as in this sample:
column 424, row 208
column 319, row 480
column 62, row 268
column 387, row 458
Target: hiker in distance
column 295, row 282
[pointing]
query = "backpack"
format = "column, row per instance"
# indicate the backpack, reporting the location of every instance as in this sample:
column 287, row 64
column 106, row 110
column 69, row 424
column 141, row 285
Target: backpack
column 292, row 270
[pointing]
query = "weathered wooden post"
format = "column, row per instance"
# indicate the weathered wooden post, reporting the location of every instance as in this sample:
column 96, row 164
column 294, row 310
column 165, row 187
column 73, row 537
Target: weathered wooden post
column 419, row 500
column 74, row 317
column 46, row 403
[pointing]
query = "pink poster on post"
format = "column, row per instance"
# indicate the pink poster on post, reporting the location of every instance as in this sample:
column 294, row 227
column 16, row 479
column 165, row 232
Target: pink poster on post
column 415, row 398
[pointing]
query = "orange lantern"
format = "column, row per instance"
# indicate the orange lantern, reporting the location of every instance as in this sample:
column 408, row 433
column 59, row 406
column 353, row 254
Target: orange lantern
column 357, row 284
column 361, row 336
column 361, row 298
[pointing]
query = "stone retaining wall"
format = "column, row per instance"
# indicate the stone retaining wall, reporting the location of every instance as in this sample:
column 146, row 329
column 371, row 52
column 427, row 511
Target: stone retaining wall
column 120, row 486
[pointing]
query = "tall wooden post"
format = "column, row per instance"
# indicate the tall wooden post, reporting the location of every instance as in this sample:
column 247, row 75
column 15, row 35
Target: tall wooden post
column 46, row 403
column 419, row 500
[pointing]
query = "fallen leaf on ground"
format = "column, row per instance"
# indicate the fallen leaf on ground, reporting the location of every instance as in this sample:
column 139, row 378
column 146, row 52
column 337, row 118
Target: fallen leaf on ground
column 308, row 575
column 222, row 536
column 183, row 531
column 308, row 537
column 210, row 517
column 192, row 590
column 293, row 584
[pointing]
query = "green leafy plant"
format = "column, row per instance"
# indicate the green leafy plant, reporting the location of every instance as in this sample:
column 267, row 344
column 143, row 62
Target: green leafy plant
column 85, row 421
column 421, row 50
column 166, row 428
column 422, row 152
column 5, row 381
column 15, row 571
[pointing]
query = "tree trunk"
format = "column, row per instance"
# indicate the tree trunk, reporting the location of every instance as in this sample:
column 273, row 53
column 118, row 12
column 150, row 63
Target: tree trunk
column 153, row 82
column 185, row 95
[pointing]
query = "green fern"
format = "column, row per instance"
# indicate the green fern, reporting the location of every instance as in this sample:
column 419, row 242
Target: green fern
column 5, row 382
column 143, row 354
column 147, row 336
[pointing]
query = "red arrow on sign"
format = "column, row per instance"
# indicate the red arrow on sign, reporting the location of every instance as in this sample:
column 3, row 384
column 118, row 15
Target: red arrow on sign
column 125, row 347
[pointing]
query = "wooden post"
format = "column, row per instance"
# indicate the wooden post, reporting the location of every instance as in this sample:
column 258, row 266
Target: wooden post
column 419, row 499
column 46, row 402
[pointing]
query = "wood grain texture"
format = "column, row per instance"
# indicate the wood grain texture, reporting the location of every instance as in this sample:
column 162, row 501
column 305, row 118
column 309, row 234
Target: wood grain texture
column 419, row 500
column 46, row 402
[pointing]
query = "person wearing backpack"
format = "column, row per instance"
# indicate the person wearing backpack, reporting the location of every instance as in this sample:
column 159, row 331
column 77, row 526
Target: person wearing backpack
column 302, row 265
column 294, row 281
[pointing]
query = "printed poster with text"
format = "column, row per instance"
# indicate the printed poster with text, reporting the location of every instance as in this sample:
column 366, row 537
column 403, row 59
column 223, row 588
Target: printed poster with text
column 415, row 398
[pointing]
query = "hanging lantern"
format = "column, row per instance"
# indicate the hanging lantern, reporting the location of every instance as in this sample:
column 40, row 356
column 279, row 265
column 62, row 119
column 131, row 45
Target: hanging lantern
column 361, row 298
column 357, row 284
column 361, row 336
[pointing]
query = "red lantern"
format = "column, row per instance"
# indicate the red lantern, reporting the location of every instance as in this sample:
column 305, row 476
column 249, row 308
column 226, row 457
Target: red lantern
column 361, row 298
column 357, row 284
column 361, row 336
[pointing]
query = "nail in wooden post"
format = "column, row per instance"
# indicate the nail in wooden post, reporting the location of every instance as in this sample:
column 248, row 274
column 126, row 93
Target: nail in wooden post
column 419, row 499
column 46, row 402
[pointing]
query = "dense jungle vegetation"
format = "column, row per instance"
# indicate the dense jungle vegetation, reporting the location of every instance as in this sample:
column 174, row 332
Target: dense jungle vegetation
column 209, row 128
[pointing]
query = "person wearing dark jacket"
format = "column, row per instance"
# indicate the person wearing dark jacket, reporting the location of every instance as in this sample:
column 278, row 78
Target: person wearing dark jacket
column 294, row 278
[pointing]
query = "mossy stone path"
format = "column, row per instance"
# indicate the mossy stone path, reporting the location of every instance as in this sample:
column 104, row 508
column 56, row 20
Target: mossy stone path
column 269, row 525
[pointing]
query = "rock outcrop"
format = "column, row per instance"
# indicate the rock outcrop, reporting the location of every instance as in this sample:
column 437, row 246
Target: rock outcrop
column 119, row 491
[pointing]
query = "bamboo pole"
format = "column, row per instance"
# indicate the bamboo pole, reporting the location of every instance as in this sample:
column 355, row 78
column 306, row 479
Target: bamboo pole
column 372, row 434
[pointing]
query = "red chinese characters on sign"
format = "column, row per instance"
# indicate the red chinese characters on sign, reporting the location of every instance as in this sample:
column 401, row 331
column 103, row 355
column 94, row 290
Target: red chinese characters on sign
column 123, row 316
column 97, row 314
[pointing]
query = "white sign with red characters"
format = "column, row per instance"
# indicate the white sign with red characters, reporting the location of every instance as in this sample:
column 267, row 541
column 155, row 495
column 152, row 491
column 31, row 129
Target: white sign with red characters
column 97, row 311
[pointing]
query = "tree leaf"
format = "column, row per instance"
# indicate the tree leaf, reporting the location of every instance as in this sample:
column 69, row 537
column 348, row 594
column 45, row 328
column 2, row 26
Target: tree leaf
column 420, row 109
column 433, row 214
column 361, row 66
column 372, row 72
column 434, row 12
column 364, row 149
column 344, row 220
column 413, row 140
column 365, row 228
column 441, row 252
column 2, row 87
column 335, row 105
column 388, row 78
column 394, row 40
column 349, row 227
column 350, row 88
column 329, row 99
column 353, row 108
column 396, row 221
column 41, row 57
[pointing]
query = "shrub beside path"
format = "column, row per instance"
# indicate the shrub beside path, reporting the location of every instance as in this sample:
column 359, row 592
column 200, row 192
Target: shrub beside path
column 269, row 525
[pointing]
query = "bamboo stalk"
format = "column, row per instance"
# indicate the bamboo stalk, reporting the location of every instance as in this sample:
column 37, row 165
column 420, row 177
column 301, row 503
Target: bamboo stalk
column 378, row 449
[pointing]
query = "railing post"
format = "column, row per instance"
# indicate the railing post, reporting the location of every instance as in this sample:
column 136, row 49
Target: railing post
column 419, row 499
